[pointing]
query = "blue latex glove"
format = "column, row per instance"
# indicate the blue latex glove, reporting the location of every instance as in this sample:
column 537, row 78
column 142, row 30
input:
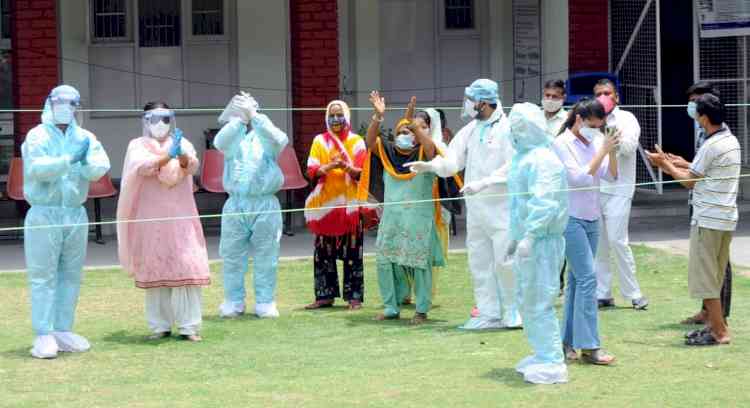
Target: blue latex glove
column 79, row 155
column 176, row 149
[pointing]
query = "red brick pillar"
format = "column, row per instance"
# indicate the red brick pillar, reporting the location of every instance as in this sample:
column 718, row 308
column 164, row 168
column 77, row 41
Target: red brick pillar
column 315, row 67
column 589, row 35
column 35, row 62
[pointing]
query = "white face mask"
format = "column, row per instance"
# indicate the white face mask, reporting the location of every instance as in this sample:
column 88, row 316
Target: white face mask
column 692, row 110
column 552, row 105
column 470, row 111
column 405, row 141
column 589, row 133
column 63, row 113
column 159, row 130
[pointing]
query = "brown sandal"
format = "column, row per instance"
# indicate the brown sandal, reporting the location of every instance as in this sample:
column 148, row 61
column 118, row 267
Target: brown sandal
column 597, row 357
column 319, row 304
column 570, row 353
column 419, row 318
column 355, row 305
column 381, row 317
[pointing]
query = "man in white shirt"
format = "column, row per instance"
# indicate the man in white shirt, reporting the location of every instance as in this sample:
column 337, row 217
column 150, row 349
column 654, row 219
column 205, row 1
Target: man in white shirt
column 714, row 178
column 616, row 199
column 552, row 103
column 483, row 148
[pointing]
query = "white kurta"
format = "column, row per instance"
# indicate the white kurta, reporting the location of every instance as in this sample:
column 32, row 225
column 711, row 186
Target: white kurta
column 616, row 199
column 484, row 150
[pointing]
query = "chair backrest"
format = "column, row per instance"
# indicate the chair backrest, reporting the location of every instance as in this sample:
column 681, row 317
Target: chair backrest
column 102, row 188
column 293, row 178
column 212, row 171
column 14, row 188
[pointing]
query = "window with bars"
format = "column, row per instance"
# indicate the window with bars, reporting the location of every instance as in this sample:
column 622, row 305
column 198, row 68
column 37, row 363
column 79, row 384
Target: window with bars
column 208, row 17
column 110, row 20
column 459, row 14
column 159, row 23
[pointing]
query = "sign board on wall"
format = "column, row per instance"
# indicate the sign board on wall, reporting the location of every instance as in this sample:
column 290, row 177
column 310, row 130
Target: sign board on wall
column 723, row 18
column 527, row 50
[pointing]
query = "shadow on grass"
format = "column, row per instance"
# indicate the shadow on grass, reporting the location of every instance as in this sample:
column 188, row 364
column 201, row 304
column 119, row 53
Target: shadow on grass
column 126, row 338
column 24, row 354
column 508, row 376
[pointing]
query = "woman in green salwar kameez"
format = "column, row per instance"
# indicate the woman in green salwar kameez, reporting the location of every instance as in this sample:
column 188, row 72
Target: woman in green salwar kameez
column 408, row 244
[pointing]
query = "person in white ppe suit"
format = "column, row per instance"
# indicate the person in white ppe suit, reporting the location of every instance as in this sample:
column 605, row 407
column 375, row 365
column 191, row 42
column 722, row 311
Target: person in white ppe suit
column 252, row 214
column 616, row 199
column 60, row 160
column 538, row 216
column 484, row 150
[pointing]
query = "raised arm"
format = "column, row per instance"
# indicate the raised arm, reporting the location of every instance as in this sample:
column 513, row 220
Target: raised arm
column 373, row 131
column 271, row 136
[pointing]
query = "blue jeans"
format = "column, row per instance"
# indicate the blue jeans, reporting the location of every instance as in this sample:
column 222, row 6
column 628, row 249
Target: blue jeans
column 581, row 320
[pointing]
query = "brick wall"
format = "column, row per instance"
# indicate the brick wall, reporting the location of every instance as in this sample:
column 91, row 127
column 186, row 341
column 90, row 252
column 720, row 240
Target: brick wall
column 315, row 67
column 589, row 40
column 35, row 63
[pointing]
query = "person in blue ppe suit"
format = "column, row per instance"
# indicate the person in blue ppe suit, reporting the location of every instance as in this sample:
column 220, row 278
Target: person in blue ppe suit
column 251, row 216
column 538, row 185
column 484, row 150
column 60, row 160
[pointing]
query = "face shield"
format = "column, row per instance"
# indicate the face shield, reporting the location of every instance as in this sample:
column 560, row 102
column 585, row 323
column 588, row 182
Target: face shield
column 159, row 123
column 64, row 108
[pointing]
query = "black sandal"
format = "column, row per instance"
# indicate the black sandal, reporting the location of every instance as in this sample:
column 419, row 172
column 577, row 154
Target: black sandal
column 697, row 332
column 705, row 339
column 159, row 336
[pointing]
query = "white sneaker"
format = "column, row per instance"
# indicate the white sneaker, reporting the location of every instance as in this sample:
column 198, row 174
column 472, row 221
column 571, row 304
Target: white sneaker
column 44, row 347
column 512, row 321
column 266, row 310
column 231, row 309
column 70, row 342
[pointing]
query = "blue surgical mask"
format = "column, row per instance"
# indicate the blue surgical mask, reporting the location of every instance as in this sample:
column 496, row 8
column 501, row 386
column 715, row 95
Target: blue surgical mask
column 692, row 110
column 589, row 133
column 336, row 121
column 63, row 113
column 405, row 141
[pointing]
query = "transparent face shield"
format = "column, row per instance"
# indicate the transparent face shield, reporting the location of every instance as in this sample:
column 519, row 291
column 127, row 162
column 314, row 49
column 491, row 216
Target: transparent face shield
column 159, row 123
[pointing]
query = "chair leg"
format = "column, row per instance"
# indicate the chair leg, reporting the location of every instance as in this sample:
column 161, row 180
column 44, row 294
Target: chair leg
column 98, row 218
column 288, row 231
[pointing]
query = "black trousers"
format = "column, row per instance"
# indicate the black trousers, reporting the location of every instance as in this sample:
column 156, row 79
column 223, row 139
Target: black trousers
column 347, row 248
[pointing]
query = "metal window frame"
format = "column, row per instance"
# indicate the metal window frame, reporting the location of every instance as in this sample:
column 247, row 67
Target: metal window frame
column 444, row 32
column 129, row 26
column 208, row 37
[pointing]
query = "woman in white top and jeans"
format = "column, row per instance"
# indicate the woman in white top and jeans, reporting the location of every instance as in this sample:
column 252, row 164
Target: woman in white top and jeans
column 584, row 151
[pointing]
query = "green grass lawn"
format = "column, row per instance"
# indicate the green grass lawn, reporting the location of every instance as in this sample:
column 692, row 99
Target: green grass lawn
column 340, row 358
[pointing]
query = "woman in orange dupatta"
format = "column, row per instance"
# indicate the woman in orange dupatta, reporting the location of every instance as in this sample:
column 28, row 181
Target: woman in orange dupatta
column 331, row 213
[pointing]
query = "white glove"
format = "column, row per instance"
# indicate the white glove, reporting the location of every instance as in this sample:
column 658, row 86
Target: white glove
column 246, row 106
column 524, row 248
column 420, row 167
column 474, row 187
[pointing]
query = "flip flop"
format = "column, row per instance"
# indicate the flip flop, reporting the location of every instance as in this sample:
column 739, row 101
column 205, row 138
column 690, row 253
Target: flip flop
column 705, row 339
column 319, row 304
column 597, row 357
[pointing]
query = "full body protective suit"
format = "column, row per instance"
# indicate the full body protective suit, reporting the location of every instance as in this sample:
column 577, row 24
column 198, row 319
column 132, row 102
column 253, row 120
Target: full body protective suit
column 58, row 167
column 538, row 215
column 251, row 177
column 484, row 150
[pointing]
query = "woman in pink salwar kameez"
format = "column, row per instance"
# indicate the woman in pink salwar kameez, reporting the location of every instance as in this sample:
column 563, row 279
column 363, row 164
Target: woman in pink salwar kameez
column 167, row 258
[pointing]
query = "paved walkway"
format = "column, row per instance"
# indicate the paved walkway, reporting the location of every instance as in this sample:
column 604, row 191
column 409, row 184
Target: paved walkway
column 664, row 232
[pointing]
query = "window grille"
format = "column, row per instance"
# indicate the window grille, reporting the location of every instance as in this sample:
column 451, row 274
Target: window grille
column 208, row 17
column 109, row 19
column 459, row 14
column 159, row 23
